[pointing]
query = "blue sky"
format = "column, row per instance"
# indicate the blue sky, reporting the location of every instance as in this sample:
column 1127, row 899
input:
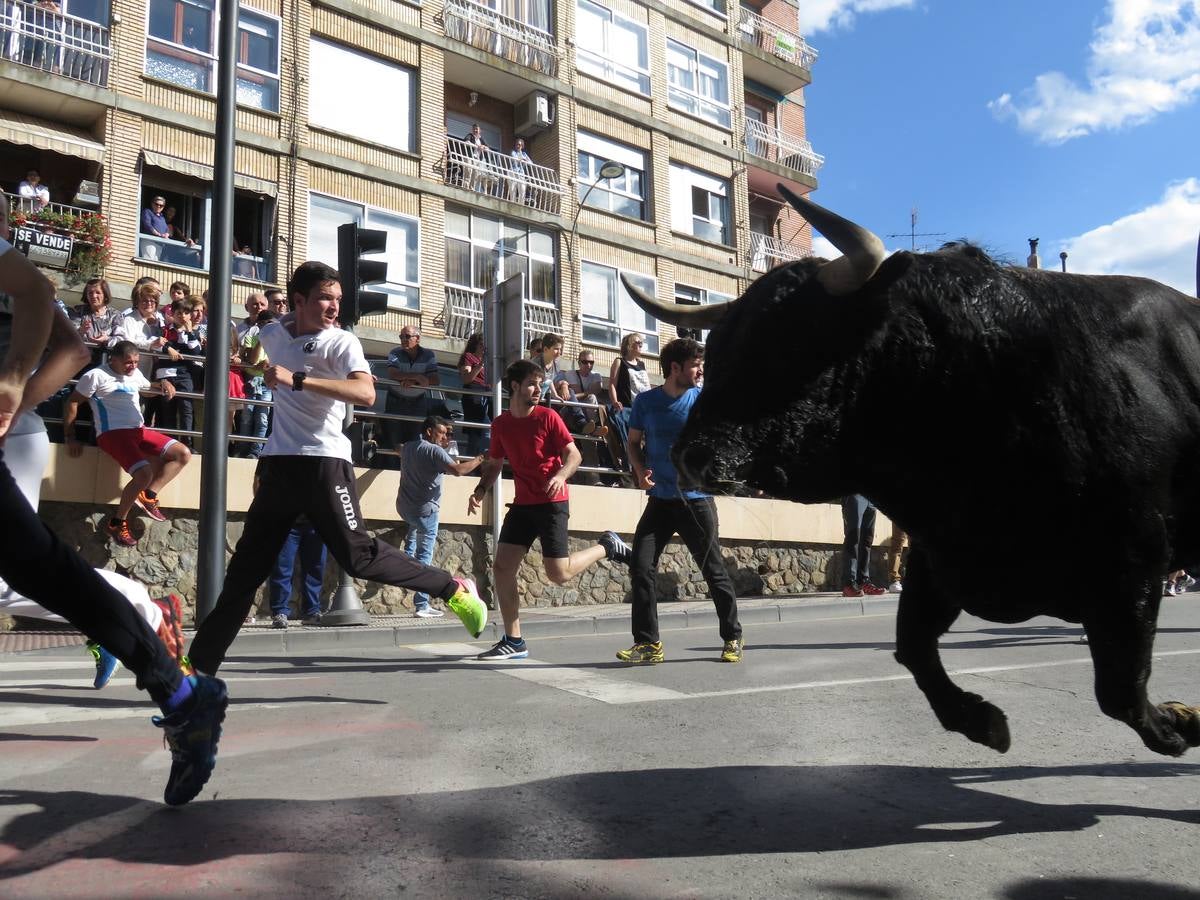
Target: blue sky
column 1074, row 122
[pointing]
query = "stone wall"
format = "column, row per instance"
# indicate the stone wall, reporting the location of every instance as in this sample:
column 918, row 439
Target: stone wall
column 165, row 560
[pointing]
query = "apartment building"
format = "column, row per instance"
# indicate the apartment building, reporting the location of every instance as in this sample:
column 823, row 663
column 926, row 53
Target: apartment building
column 673, row 123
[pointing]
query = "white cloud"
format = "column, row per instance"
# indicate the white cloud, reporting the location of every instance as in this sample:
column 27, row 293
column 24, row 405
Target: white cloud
column 825, row 15
column 1157, row 242
column 1145, row 60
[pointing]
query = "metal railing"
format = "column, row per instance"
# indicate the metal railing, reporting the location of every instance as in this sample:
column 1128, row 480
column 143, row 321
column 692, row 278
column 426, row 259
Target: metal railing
column 501, row 35
column 771, row 143
column 41, row 38
column 499, row 175
column 767, row 252
column 191, row 256
column 775, row 39
column 17, row 203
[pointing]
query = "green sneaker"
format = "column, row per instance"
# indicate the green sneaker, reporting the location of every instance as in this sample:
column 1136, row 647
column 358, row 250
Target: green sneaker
column 732, row 651
column 468, row 607
column 642, row 654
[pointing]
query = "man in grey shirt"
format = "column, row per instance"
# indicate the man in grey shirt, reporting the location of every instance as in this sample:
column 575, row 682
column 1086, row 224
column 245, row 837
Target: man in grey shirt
column 423, row 462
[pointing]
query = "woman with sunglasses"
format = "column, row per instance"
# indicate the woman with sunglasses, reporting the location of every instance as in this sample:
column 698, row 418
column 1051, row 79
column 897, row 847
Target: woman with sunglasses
column 627, row 378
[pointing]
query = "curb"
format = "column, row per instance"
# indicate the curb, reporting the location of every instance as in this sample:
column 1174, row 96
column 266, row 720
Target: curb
column 305, row 641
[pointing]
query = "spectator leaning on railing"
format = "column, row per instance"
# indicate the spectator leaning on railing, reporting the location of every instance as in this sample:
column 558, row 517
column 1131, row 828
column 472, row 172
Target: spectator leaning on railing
column 34, row 195
column 99, row 322
column 415, row 370
column 151, row 459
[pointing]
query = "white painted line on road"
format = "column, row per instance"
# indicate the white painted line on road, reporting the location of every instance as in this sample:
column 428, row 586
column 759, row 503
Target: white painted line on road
column 564, row 678
column 21, row 716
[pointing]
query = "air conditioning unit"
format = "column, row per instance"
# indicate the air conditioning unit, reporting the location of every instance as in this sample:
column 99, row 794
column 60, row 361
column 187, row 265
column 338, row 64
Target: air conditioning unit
column 88, row 194
column 532, row 114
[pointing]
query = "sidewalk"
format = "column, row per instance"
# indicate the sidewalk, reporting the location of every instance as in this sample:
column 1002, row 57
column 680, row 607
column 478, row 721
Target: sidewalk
column 396, row 631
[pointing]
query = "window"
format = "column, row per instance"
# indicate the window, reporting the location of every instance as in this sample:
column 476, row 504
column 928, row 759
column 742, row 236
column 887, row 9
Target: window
column 699, row 84
column 181, row 49
column 609, row 311
column 483, row 251
column 699, row 204
column 694, row 296
column 188, row 211
column 625, row 195
column 346, row 90
column 612, row 47
column 713, row 6
column 403, row 253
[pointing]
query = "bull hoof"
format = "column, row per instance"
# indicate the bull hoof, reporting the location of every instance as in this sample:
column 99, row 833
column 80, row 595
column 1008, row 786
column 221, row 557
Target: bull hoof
column 986, row 724
column 1184, row 719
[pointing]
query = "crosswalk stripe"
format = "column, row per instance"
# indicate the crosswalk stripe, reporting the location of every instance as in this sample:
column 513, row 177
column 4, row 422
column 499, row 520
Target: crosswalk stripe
column 564, row 678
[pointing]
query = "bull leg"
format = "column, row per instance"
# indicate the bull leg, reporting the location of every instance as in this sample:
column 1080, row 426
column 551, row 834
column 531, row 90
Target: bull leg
column 1121, row 641
column 924, row 615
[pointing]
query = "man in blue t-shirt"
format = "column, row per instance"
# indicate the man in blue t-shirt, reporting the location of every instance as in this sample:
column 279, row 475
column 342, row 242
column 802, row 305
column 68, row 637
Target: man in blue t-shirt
column 657, row 419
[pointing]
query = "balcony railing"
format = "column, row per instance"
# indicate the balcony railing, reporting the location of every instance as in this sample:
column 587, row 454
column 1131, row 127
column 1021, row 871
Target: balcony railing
column 464, row 312
column 501, row 35
column 152, row 248
column 92, row 249
column 776, row 39
column 41, row 38
column 767, row 252
column 773, row 144
column 497, row 175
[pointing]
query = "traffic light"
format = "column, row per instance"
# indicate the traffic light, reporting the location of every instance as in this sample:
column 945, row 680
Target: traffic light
column 357, row 273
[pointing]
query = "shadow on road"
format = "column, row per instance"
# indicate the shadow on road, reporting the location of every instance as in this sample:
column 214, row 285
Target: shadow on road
column 629, row 815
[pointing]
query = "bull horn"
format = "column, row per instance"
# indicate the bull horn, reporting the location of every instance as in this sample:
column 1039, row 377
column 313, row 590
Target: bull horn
column 687, row 315
column 863, row 252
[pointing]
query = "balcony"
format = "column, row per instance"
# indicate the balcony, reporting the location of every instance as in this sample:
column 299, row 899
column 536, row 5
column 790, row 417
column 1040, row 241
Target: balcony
column 782, row 148
column 497, row 175
column 771, row 45
column 493, row 31
column 767, row 252
column 39, row 38
column 92, row 246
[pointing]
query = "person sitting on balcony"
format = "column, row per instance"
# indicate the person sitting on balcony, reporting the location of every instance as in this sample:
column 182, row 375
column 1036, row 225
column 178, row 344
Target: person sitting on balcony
column 518, row 189
column 154, row 223
column 34, row 195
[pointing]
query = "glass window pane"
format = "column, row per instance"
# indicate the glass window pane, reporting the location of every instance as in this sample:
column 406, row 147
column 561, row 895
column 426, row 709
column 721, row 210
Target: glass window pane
column 458, row 262
column 197, row 22
column 325, row 214
column 486, row 263
column 356, row 113
column 514, row 237
column 597, row 289
column 458, row 221
column 541, row 281
column 541, row 243
column 485, row 229
column 258, row 41
column 162, row 19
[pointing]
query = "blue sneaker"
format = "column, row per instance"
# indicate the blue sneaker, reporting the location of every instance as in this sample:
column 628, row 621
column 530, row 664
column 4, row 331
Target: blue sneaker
column 504, row 650
column 192, row 735
column 106, row 664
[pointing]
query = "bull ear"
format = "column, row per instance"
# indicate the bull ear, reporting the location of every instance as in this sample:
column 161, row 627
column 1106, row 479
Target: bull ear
column 863, row 252
column 685, row 314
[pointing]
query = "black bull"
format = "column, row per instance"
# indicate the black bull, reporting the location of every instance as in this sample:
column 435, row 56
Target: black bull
column 1041, row 428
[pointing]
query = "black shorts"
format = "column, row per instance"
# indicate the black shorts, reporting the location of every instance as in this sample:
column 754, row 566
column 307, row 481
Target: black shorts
column 545, row 521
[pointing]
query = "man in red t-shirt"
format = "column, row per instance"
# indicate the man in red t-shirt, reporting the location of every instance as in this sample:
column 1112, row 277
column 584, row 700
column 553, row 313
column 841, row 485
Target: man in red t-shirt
column 543, row 456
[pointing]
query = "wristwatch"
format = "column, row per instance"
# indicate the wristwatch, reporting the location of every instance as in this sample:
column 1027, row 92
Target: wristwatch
column 298, row 381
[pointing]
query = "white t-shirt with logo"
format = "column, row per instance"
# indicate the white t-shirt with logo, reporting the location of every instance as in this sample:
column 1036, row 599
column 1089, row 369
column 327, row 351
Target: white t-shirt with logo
column 308, row 424
column 114, row 398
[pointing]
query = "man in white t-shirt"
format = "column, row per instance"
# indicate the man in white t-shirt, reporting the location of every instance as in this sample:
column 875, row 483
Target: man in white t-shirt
column 305, row 469
column 151, row 458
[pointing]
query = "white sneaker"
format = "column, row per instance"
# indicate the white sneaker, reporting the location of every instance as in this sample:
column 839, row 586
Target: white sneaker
column 895, row 587
column 1171, row 590
column 1185, row 584
column 428, row 612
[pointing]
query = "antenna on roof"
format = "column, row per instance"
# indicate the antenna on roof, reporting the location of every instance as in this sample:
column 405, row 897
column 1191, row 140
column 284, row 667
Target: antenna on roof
column 912, row 234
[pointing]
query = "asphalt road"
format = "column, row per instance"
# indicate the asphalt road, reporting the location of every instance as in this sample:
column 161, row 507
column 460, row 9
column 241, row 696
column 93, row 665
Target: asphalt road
column 813, row 769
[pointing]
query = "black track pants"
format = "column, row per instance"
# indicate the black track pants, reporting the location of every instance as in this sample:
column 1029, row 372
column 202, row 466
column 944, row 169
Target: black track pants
column 323, row 489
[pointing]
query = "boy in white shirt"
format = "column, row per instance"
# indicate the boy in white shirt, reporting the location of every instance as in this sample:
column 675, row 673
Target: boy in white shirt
column 151, row 458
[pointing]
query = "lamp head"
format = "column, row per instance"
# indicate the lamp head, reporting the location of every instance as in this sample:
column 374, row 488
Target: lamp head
column 611, row 169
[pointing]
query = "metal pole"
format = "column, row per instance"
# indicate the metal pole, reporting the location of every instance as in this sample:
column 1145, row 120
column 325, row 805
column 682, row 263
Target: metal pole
column 494, row 339
column 210, row 573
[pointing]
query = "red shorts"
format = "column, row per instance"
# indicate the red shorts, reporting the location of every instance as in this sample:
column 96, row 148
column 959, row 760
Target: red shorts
column 133, row 448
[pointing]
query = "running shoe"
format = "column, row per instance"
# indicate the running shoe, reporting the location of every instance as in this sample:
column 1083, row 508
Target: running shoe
column 106, row 664
column 427, row 612
column 121, row 533
column 150, row 507
column 468, row 607
column 504, row 650
column 615, row 548
column 314, row 619
column 192, row 737
column 732, row 651
column 279, row 620
column 185, row 666
column 170, row 630
column 642, row 654
column 872, row 590
column 896, row 587
column 851, row 590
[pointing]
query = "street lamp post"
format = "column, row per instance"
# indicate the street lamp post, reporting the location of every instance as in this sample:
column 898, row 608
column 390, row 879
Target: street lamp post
column 609, row 169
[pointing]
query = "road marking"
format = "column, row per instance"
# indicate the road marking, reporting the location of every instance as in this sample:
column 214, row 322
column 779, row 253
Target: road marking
column 564, row 678
column 20, row 716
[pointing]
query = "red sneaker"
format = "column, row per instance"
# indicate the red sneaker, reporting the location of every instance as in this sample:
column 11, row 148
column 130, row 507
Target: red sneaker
column 150, row 507
column 872, row 590
column 852, row 591
column 170, row 632
column 121, row 533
